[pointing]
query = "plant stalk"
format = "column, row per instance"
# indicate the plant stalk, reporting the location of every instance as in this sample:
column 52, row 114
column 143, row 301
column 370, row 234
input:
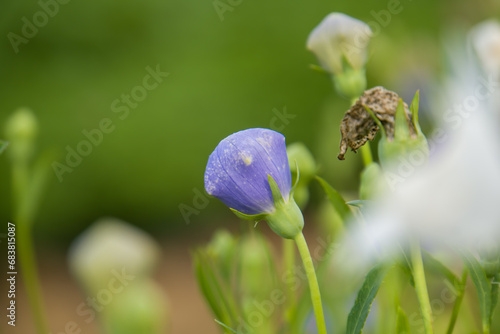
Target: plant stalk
column 421, row 286
column 313, row 282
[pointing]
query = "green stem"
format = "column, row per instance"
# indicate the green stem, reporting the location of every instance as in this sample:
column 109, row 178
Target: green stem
column 25, row 248
column 421, row 286
column 313, row 282
column 458, row 302
column 366, row 153
column 289, row 264
column 27, row 264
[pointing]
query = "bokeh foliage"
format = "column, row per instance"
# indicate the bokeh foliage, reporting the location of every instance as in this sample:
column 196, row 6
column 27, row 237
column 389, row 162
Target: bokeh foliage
column 224, row 76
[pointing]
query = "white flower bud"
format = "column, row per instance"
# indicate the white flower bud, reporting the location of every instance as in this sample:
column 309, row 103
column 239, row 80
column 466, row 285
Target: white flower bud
column 485, row 38
column 338, row 36
column 111, row 246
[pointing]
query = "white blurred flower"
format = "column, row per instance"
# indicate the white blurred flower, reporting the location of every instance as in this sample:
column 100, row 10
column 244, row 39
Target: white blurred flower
column 340, row 35
column 110, row 246
column 453, row 200
column 485, row 38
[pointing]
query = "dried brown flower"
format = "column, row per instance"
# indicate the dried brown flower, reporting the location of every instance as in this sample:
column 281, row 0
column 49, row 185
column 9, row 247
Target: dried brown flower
column 358, row 126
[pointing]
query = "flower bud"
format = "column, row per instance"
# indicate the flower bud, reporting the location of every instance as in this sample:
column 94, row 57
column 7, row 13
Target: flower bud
column 340, row 43
column 256, row 278
column 110, row 246
column 222, row 248
column 485, row 38
column 249, row 172
column 21, row 129
column 408, row 145
column 350, row 83
column 255, row 265
column 371, row 182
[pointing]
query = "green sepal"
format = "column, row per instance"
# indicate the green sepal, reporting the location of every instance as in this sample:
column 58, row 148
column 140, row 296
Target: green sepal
column 244, row 216
column 275, row 190
column 286, row 220
column 318, row 69
column 377, row 121
column 401, row 129
column 414, row 111
column 296, row 180
column 351, row 82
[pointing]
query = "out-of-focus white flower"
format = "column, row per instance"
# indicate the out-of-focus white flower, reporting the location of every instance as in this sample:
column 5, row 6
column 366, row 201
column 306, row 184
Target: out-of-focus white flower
column 110, row 247
column 338, row 36
column 453, row 200
column 485, row 38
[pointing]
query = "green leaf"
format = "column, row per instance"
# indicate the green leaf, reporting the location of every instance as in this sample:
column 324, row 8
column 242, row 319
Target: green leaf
column 210, row 287
column 3, row 145
column 402, row 323
column 433, row 264
column 478, row 277
column 337, row 201
column 366, row 295
column 248, row 217
column 404, row 265
column 226, row 326
column 494, row 294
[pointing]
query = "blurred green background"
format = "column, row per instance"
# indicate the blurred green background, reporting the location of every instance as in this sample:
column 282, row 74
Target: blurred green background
column 225, row 75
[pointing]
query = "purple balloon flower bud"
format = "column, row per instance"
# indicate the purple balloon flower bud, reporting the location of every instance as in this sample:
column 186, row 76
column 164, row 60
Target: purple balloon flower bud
column 237, row 170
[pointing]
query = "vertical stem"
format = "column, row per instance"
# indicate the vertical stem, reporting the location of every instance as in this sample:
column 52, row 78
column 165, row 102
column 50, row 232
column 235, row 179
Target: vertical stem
column 458, row 302
column 421, row 286
column 313, row 282
column 29, row 272
column 25, row 248
column 366, row 153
